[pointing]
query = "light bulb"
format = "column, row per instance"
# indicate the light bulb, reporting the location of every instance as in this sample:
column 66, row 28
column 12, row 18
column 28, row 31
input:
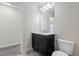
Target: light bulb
column 48, row 5
column 44, row 8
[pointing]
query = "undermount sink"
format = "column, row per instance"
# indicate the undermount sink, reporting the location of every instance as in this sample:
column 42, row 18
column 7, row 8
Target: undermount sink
column 43, row 33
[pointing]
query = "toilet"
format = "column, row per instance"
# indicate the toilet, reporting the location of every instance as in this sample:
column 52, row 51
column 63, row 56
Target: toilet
column 65, row 48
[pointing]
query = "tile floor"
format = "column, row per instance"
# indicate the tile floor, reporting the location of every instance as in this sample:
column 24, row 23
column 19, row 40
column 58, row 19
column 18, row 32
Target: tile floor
column 32, row 53
column 15, row 51
column 10, row 51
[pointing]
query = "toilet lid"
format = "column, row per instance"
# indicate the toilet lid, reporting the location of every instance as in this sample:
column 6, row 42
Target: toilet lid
column 59, row 53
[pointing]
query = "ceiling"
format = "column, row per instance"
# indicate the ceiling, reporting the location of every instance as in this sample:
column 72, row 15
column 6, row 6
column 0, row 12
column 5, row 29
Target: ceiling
column 19, row 4
column 38, row 4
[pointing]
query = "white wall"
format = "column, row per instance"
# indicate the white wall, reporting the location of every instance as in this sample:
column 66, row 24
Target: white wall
column 29, row 15
column 10, row 25
column 67, row 22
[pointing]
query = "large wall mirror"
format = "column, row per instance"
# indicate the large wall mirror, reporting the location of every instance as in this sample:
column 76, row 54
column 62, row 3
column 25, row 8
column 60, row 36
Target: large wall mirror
column 47, row 18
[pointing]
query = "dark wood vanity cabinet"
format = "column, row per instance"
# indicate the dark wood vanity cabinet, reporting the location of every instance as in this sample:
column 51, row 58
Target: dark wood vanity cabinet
column 43, row 44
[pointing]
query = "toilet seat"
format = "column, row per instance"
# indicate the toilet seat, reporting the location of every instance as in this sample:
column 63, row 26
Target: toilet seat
column 59, row 53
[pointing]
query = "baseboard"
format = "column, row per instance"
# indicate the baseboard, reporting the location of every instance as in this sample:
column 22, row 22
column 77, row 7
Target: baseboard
column 24, row 51
column 29, row 49
column 9, row 45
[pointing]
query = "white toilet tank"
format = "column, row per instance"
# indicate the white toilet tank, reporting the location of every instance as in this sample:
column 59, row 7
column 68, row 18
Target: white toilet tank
column 66, row 46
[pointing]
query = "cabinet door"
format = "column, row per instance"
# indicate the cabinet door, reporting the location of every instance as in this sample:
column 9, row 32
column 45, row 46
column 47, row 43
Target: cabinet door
column 43, row 44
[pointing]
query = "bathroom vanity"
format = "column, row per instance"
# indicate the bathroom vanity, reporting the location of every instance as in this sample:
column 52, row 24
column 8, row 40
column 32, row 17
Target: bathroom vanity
column 43, row 43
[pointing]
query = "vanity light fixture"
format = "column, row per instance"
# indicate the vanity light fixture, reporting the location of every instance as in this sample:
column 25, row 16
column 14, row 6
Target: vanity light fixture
column 47, row 6
column 43, row 8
